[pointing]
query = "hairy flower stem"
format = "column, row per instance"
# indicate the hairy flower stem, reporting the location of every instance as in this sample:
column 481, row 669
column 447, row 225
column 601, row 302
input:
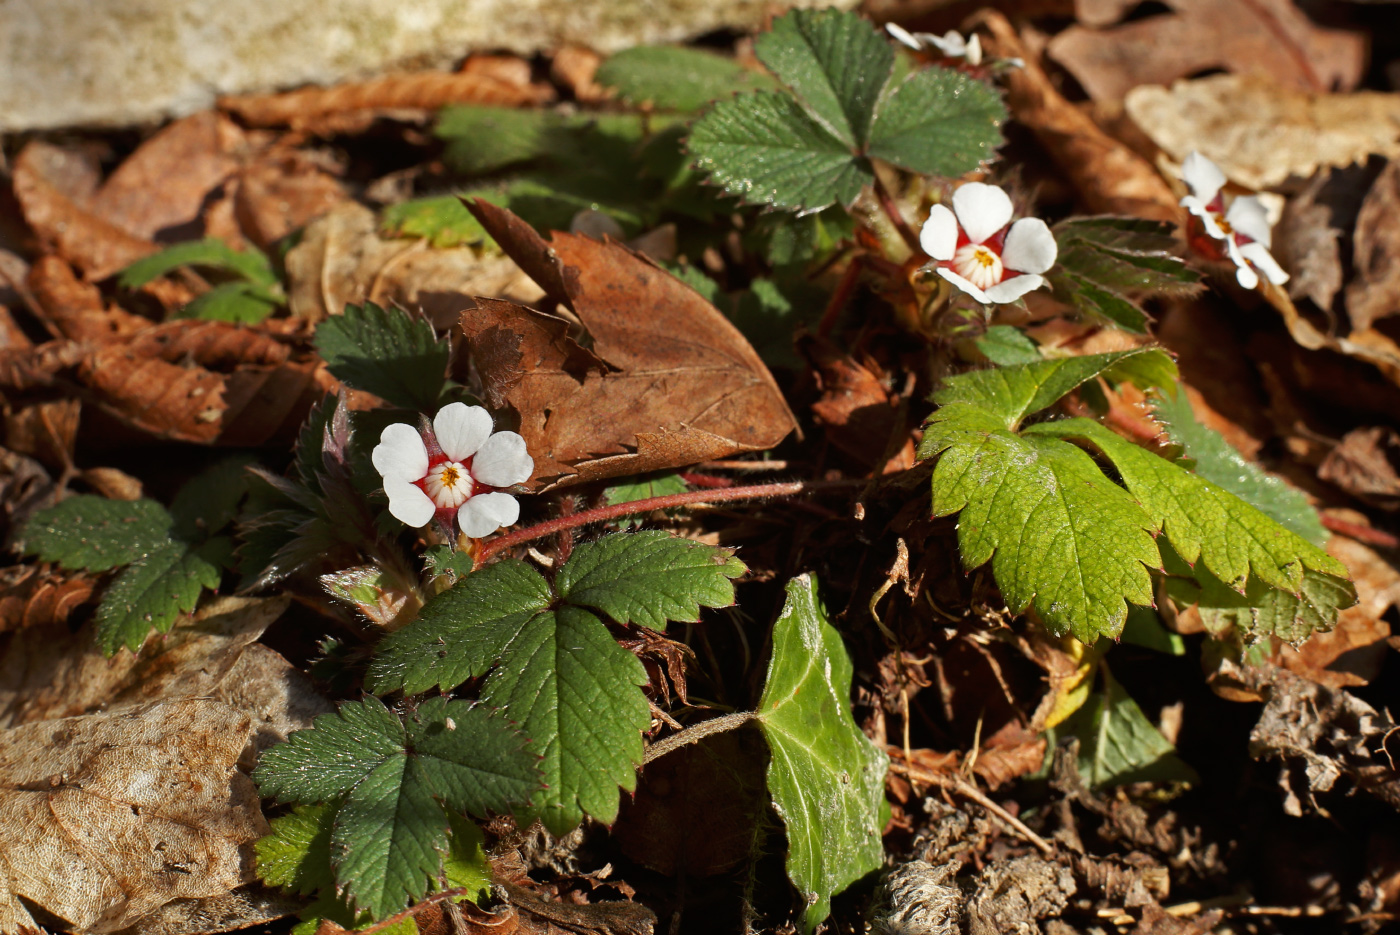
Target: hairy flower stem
column 906, row 233
column 670, row 501
column 697, row 732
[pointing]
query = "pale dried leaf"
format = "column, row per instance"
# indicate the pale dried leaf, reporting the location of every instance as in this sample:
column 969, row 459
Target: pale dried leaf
column 1259, row 133
column 1374, row 292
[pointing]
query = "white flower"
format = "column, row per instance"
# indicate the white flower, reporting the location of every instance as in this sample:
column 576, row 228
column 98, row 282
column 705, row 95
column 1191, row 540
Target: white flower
column 457, row 468
column 951, row 44
column 1243, row 228
column 979, row 254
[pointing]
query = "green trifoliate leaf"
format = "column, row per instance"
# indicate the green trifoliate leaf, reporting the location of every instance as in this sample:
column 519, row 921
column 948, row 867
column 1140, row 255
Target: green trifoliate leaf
column 575, row 693
column 462, row 632
column 1124, row 235
column 211, row 253
column 386, row 352
column 938, row 122
column 766, row 149
column 826, row 778
column 390, row 832
column 1235, row 541
column 1006, row 346
column 151, row 592
column 1220, row 463
column 1106, row 264
column 675, row 78
column 835, row 62
column 649, row 577
column 95, row 534
column 1118, row 744
column 244, row 303
column 296, row 855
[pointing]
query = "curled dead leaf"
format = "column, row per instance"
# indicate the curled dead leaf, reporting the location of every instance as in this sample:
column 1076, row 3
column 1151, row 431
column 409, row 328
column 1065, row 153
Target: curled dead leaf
column 1366, row 464
column 73, row 308
column 1374, row 291
column 680, row 384
column 40, row 596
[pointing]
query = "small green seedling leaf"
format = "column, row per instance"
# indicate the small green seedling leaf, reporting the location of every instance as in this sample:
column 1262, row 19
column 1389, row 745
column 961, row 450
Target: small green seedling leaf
column 394, row 779
column 1006, row 346
column 835, row 63
column 96, row 534
column 296, row 854
column 826, row 778
column 154, row 590
column 211, row 253
column 664, row 483
column 386, row 352
column 576, row 694
column 649, row 578
column 442, row 220
column 1118, row 744
column 244, row 303
column 938, row 122
column 1220, row 463
column 676, row 78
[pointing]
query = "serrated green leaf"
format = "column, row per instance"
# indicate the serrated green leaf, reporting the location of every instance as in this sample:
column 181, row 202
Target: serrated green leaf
column 466, row 865
column 938, row 122
column 1147, row 274
column 786, row 240
column 443, row 220
column 658, row 484
column 674, row 77
column 1235, row 541
column 390, row 832
column 151, row 592
column 1220, row 463
column 575, row 693
column 443, row 560
column 462, row 632
column 1006, row 346
column 95, row 534
column 766, row 149
column 209, row 501
column 1118, row 744
column 826, row 778
column 296, row 854
column 649, row 577
column 482, row 138
column 210, row 252
column 386, row 352
column 835, row 62
column 1120, row 234
column 243, row 303
column 1144, row 628
column 1098, row 302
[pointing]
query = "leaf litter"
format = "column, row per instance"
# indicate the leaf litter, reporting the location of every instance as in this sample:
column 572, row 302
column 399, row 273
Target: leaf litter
column 1037, row 783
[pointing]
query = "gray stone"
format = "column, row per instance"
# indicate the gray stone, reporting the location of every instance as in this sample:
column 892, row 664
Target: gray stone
column 121, row 62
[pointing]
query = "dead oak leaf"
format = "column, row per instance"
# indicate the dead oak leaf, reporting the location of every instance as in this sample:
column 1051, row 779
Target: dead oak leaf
column 104, row 818
column 668, row 380
column 1269, row 37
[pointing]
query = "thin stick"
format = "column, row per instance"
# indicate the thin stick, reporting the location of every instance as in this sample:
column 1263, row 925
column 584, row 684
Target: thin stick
column 1360, row 533
column 743, row 465
column 398, row 917
column 697, row 732
column 965, row 788
column 613, row 511
column 896, row 217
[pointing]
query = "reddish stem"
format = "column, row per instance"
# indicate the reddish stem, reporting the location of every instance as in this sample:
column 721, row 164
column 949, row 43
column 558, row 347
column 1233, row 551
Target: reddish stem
column 911, row 239
column 1360, row 533
column 842, row 294
column 707, row 480
column 670, row 501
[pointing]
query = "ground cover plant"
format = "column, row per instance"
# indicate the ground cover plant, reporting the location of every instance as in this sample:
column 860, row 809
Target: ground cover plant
column 834, row 479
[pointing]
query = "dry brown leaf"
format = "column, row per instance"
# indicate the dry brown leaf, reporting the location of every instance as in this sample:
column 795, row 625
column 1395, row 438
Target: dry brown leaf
column 45, row 430
column 243, row 908
column 105, row 818
column 342, row 260
column 281, row 192
column 97, row 247
column 574, row 67
column 1001, row 764
column 421, row 90
column 112, row 483
column 163, row 185
column 25, row 487
column 682, row 384
column 1365, row 464
column 1374, row 291
column 74, row 308
column 1260, row 134
column 859, row 414
column 1268, row 37
column 40, row 596
column 1109, row 177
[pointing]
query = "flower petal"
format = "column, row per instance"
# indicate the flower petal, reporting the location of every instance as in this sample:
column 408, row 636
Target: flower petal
column 939, row 235
column 903, row 35
column 974, row 50
column 460, row 429
column 1258, row 255
column 1198, row 207
column 400, row 454
column 1244, row 273
column 487, row 512
column 1030, row 247
column 951, row 43
column 502, row 461
column 982, row 210
column 1202, row 176
column 964, row 285
column 408, row 503
column 1248, row 216
column 1009, row 290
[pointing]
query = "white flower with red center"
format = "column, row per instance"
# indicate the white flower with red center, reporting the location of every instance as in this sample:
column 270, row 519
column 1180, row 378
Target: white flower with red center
column 1240, row 231
column 455, row 469
column 977, row 249
column 950, row 45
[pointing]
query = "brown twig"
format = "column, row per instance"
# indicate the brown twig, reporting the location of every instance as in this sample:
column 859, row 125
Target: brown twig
column 964, row 788
column 1360, row 533
column 670, row 501
column 696, row 733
